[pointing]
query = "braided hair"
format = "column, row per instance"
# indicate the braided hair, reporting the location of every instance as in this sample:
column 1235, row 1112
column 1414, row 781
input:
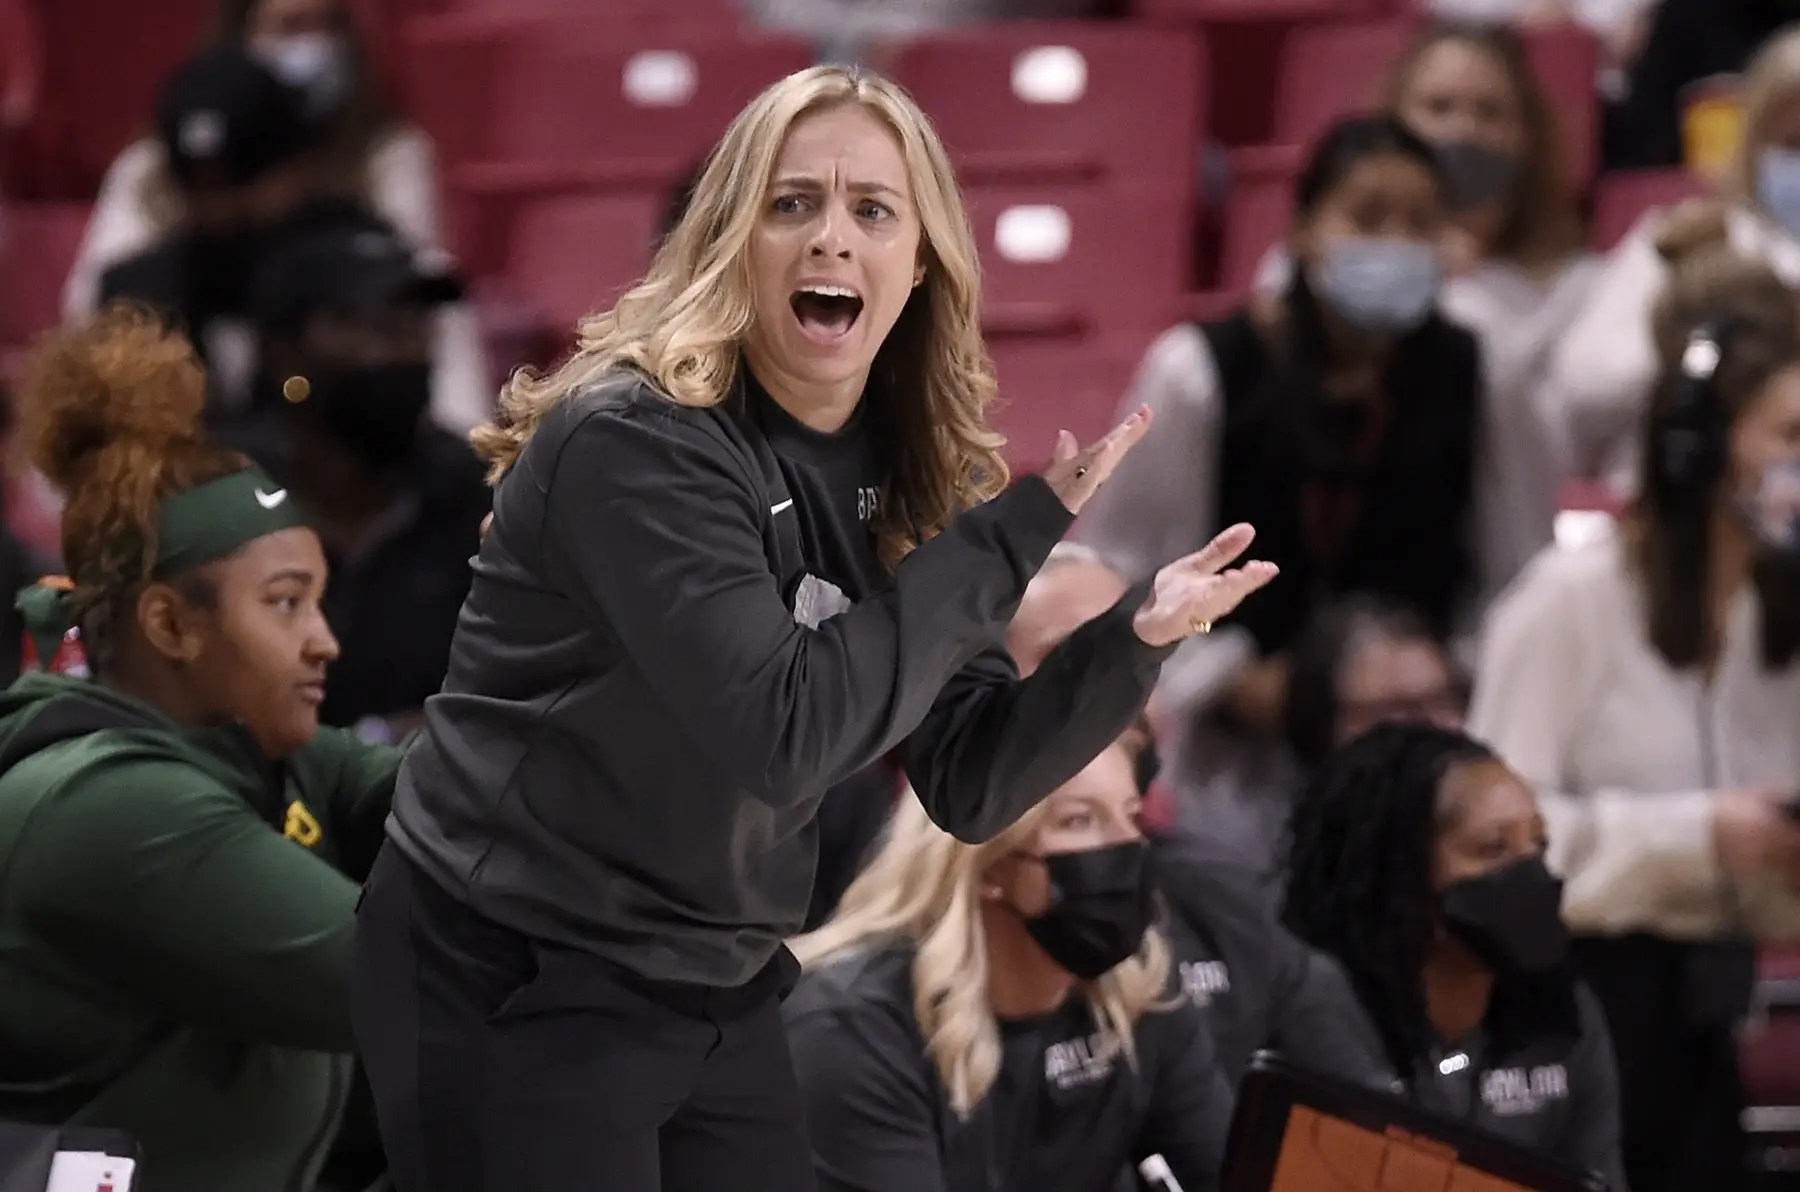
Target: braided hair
column 1359, row 862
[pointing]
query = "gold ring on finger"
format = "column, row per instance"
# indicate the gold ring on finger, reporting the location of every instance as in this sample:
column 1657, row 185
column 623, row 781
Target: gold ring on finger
column 1199, row 626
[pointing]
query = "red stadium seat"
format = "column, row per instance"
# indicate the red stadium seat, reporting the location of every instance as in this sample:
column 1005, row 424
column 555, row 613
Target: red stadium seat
column 1321, row 73
column 450, row 59
column 1623, row 198
column 21, row 64
column 1079, row 261
column 1566, row 59
column 598, row 10
column 1220, row 12
column 104, row 62
column 632, row 114
column 1049, row 385
column 1255, row 219
column 446, row 72
column 40, row 245
column 1329, row 71
column 566, row 256
column 1043, row 101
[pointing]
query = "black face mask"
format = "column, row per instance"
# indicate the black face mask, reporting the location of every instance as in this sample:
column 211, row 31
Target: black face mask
column 1510, row 918
column 1476, row 174
column 1100, row 907
column 375, row 411
column 218, row 272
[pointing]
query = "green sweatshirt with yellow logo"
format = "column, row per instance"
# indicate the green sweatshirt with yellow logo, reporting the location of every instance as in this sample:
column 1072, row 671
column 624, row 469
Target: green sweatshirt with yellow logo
column 176, row 916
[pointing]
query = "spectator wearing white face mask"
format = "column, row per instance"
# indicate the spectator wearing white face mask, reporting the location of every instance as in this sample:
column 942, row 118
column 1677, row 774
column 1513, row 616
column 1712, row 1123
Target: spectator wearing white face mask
column 1517, row 271
column 1339, row 416
column 371, row 153
column 1603, row 370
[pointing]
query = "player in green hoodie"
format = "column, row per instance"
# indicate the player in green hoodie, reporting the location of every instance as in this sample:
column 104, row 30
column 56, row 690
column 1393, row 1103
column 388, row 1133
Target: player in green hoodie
column 180, row 842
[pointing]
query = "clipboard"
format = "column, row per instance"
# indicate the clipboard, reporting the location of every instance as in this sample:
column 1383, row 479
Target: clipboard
column 1298, row 1131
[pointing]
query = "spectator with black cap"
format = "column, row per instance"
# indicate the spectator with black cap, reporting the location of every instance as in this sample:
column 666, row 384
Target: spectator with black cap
column 243, row 152
column 237, row 141
column 344, row 307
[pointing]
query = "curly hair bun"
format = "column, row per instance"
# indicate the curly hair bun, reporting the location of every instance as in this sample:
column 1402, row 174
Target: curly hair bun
column 124, row 380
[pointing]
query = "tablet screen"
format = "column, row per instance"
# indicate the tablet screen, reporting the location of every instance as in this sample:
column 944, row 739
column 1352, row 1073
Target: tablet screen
column 1321, row 1153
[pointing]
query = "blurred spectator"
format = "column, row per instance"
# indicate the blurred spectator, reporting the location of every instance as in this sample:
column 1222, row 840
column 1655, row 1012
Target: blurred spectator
column 1015, row 987
column 1417, row 859
column 1649, row 684
column 1620, row 25
column 313, row 46
column 1338, row 417
column 344, row 308
column 1362, row 661
column 240, row 151
column 358, row 147
column 182, row 843
column 1601, row 373
column 1690, row 45
column 1518, row 271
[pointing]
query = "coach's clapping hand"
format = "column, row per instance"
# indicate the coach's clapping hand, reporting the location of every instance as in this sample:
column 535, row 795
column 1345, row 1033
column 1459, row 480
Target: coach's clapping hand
column 1189, row 594
column 1076, row 473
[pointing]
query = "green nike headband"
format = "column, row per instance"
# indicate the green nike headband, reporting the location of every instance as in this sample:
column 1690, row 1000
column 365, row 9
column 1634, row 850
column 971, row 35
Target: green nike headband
column 193, row 528
column 213, row 520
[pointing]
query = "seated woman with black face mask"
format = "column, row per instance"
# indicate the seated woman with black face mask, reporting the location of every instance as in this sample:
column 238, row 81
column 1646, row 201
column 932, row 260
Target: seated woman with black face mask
column 1003, row 1014
column 1416, row 858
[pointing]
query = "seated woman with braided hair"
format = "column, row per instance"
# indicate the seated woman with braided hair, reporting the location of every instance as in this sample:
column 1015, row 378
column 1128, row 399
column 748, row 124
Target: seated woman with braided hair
column 180, row 842
column 1416, row 859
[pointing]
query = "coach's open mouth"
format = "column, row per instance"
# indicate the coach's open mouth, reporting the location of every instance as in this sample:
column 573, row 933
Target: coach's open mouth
column 826, row 312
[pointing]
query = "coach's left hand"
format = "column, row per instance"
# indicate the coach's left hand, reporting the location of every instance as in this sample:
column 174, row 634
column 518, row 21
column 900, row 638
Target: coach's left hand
column 1190, row 594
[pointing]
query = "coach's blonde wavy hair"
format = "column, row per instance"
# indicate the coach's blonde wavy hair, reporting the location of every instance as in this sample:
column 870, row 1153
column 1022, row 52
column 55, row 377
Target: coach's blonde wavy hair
column 682, row 326
column 924, row 886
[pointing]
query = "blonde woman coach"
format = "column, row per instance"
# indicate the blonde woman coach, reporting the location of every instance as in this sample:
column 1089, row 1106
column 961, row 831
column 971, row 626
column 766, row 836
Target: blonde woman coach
column 752, row 536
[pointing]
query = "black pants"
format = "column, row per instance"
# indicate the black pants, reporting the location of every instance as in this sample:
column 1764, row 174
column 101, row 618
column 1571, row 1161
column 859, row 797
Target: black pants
column 1671, row 1009
column 500, row 1064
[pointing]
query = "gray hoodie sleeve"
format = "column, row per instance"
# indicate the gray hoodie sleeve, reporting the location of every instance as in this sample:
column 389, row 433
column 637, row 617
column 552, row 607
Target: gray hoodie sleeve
column 994, row 745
